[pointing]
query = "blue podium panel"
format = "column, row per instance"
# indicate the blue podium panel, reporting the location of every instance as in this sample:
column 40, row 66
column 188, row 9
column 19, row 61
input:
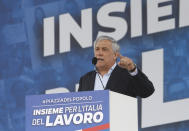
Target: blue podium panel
column 68, row 111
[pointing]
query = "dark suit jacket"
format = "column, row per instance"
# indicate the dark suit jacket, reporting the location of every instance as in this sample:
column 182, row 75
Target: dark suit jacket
column 122, row 82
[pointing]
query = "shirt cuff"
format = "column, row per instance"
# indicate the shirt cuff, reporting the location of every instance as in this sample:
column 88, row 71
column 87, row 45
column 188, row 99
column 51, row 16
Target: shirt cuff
column 134, row 73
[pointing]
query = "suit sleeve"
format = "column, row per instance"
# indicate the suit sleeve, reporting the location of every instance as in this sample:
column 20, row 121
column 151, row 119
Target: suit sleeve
column 141, row 85
column 80, row 84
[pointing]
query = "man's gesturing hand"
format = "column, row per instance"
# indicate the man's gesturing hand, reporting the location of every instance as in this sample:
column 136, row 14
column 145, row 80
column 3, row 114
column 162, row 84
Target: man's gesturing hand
column 126, row 63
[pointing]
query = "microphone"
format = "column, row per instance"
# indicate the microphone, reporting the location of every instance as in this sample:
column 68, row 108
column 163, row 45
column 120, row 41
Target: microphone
column 94, row 60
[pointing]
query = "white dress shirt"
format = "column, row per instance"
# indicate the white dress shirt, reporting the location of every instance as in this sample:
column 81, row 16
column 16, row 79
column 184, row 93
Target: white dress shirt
column 101, row 81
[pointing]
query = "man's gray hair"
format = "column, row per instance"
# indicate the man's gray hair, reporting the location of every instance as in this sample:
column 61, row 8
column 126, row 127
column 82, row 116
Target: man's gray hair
column 115, row 46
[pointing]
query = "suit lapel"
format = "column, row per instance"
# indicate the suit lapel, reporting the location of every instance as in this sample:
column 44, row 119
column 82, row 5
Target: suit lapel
column 92, row 81
column 112, row 77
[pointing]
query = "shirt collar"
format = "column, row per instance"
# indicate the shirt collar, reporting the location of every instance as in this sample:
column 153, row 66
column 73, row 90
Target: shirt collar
column 112, row 68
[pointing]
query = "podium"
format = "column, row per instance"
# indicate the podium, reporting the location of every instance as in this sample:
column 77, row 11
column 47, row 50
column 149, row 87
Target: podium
column 81, row 111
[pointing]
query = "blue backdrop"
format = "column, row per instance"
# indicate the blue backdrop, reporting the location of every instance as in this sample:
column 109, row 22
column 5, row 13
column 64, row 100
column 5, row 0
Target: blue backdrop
column 24, row 70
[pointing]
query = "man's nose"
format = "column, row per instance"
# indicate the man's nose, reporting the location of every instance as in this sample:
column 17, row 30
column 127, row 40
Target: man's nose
column 99, row 53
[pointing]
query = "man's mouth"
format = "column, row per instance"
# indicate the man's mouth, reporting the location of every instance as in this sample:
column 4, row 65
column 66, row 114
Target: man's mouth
column 100, row 59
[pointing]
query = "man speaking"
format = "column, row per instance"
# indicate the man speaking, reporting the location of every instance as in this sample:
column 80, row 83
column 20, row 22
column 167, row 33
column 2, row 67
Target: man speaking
column 123, row 77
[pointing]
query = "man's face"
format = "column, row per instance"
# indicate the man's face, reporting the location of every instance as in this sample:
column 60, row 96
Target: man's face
column 105, row 54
